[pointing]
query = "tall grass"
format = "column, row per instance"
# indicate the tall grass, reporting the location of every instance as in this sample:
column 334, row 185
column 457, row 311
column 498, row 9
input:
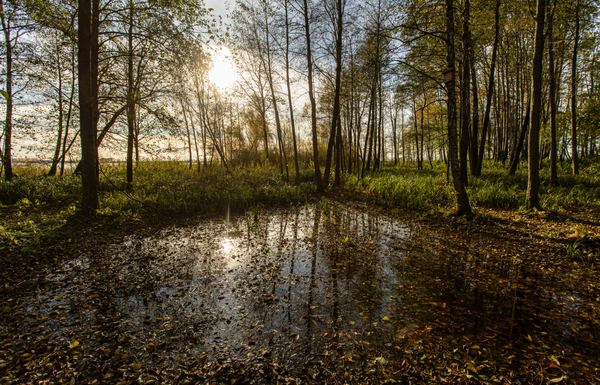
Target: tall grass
column 173, row 188
column 405, row 187
column 33, row 205
column 410, row 191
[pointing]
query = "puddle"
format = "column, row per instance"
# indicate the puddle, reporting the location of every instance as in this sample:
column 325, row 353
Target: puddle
column 290, row 284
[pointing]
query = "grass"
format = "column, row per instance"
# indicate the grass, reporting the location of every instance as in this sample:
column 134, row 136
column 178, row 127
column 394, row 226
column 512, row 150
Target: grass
column 34, row 206
column 405, row 187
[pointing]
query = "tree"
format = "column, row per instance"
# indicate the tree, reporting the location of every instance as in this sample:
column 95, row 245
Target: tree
column 490, row 91
column 14, row 26
column 462, row 199
column 574, row 150
column 87, row 43
column 552, row 96
column 465, row 87
column 289, row 88
column 533, row 150
column 311, row 95
column 335, row 131
column 268, row 67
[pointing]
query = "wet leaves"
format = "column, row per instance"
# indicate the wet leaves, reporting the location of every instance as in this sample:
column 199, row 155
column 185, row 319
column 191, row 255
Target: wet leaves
column 336, row 294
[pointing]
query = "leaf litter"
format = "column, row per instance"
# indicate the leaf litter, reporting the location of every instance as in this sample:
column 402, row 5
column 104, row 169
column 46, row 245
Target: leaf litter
column 327, row 293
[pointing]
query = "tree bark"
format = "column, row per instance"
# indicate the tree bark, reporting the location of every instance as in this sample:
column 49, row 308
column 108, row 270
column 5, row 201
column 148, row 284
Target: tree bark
column 552, row 101
column 69, row 113
column 313, row 102
column 574, row 155
column 289, row 90
column 490, row 92
column 89, row 153
column 282, row 153
column 465, row 99
column 336, row 118
column 464, row 208
column 533, row 150
column 516, row 155
column 59, row 136
column 130, row 97
column 8, row 122
column 474, row 146
column 189, row 137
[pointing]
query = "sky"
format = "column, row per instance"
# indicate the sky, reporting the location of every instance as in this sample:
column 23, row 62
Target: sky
column 218, row 5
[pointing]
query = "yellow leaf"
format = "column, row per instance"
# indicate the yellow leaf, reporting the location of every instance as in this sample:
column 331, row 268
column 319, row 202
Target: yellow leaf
column 554, row 359
column 558, row 379
column 74, row 344
column 386, row 318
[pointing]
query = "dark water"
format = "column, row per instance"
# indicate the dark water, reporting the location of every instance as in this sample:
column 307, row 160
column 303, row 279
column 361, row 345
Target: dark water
column 259, row 280
column 297, row 285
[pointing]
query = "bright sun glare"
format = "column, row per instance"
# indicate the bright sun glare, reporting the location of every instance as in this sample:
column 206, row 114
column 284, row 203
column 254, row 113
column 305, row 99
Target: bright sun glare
column 227, row 246
column 223, row 73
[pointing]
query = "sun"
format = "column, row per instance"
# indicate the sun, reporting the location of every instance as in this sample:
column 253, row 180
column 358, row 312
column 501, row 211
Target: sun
column 223, row 72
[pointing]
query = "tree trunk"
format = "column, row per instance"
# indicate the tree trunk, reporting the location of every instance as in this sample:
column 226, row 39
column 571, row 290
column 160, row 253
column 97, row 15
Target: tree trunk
column 8, row 122
column 59, row 136
column 282, row 153
column 574, row 155
column 189, row 137
column 552, row 100
column 516, row 155
column 464, row 208
column 289, row 89
column 336, row 118
column 474, row 146
column 313, row 102
column 465, row 99
column 130, row 97
column 490, row 91
column 89, row 154
column 69, row 113
column 533, row 177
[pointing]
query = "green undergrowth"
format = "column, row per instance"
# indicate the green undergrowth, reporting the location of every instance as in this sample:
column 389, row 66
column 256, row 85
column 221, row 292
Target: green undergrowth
column 35, row 207
column 405, row 187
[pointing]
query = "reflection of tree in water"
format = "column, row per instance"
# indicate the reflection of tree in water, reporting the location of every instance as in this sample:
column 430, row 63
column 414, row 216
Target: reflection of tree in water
column 295, row 284
column 293, row 279
column 353, row 252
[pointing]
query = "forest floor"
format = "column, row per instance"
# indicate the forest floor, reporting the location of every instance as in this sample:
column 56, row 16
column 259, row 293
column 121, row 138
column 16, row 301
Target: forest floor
column 315, row 291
